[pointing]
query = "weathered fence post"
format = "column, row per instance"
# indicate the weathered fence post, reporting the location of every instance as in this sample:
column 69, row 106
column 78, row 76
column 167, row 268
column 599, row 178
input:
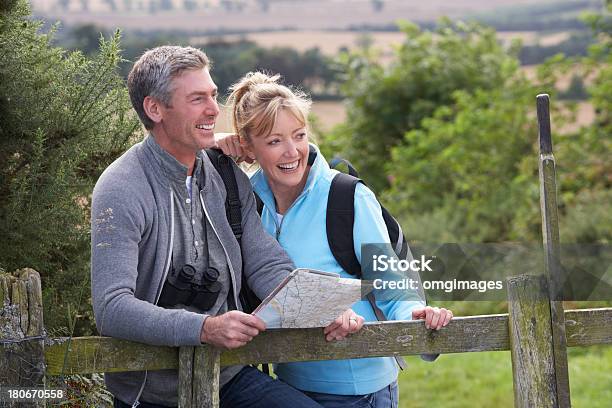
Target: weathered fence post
column 531, row 345
column 550, row 236
column 199, row 377
column 22, row 362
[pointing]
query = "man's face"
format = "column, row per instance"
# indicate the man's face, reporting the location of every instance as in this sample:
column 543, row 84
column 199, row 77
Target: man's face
column 188, row 123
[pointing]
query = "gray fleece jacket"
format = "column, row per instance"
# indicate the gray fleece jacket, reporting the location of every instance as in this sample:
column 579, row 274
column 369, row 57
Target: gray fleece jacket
column 131, row 241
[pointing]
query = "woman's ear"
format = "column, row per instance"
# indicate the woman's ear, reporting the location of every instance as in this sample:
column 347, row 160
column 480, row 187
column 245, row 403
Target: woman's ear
column 153, row 109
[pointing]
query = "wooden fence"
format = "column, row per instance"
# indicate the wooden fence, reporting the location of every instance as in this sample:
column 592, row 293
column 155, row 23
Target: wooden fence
column 536, row 330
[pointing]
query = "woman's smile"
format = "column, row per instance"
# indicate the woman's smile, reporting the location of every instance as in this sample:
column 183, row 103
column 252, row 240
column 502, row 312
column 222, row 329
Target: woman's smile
column 289, row 167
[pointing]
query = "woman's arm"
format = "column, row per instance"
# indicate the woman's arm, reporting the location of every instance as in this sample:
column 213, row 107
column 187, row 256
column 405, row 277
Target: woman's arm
column 370, row 228
column 233, row 146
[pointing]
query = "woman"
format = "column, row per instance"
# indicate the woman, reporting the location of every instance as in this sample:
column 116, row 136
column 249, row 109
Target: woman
column 270, row 126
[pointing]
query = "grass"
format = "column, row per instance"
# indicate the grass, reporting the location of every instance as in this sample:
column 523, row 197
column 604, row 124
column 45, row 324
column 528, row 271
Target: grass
column 485, row 380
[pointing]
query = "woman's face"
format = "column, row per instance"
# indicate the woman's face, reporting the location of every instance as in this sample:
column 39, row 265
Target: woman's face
column 283, row 154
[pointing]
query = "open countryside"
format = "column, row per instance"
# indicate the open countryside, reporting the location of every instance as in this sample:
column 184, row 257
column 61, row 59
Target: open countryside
column 213, row 15
column 331, row 113
column 445, row 136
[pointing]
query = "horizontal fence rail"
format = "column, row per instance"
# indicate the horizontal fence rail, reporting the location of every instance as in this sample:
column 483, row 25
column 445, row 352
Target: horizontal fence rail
column 84, row 355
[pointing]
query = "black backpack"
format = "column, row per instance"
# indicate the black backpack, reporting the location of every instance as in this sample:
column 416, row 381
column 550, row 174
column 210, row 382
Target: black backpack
column 233, row 210
column 341, row 217
column 339, row 226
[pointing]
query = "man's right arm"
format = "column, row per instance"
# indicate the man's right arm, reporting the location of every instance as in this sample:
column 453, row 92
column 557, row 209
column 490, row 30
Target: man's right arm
column 118, row 224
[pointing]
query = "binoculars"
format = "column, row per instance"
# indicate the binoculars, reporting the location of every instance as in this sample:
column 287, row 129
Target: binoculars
column 183, row 287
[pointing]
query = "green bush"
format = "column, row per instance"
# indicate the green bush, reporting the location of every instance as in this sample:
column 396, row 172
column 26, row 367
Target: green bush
column 459, row 177
column 384, row 101
column 447, row 133
column 65, row 117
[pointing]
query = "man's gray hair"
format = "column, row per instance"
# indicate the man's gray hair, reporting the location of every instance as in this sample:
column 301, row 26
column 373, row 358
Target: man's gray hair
column 154, row 71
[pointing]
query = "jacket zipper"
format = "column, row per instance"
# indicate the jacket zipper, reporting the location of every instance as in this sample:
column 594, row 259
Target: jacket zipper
column 278, row 226
column 169, row 256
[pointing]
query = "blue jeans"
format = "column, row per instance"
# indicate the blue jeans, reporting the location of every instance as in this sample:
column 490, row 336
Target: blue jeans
column 387, row 397
column 252, row 388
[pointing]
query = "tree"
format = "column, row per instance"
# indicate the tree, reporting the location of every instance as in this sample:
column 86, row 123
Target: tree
column 231, row 60
column 111, row 4
column 587, row 183
column 575, row 90
column 166, row 5
column 190, row 5
column 469, row 172
column 461, row 176
column 86, row 38
column 65, row 117
column 377, row 5
column 64, row 4
column 264, row 5
column 385, row 101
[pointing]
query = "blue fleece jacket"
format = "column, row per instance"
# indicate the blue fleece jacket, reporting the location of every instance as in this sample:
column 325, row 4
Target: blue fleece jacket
column 302, row 233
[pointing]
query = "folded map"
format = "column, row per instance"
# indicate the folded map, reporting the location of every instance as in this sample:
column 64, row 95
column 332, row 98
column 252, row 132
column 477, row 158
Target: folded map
column 309, row 298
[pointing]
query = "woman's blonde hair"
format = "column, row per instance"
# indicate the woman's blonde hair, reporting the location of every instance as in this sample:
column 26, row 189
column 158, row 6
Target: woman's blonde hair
column 256, row 100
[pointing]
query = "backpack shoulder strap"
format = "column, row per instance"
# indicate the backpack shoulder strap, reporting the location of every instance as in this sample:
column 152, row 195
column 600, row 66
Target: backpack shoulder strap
column 233, row 207
column 339, row 222
column 336, row 161
column 259, row 202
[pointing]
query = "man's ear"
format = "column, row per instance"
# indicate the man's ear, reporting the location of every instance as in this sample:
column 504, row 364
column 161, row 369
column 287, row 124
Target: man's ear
column 153, row 109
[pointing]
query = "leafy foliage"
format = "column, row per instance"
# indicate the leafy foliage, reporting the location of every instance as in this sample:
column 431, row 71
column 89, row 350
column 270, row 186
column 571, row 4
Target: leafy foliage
column 586, row 179
column 447, row 132
column 64, row 119
column 462, row 170
column 575, row 45
column 385, row 101
column 470, row 173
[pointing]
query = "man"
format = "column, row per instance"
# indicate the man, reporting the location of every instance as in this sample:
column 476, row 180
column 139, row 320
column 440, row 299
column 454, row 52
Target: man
column 159, row 220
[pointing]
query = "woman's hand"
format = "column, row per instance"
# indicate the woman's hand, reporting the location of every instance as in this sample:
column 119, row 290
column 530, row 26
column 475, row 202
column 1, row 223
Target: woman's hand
column 435, row 317
column 229, row 143
column 347, row 323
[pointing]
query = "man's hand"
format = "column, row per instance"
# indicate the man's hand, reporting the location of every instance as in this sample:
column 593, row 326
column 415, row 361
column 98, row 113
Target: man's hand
column 231, row 330
column 347, row 323
column 435, row 317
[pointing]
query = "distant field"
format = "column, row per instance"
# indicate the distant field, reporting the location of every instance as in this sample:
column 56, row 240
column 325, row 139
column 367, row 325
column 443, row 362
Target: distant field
column 330, row 113
column 563, row 80
column 224, row 121
column 304, row 15
column 329, row 42
column 534, row 37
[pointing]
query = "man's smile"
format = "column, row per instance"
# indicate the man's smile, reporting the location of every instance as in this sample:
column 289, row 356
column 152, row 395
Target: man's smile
column 207, row 126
